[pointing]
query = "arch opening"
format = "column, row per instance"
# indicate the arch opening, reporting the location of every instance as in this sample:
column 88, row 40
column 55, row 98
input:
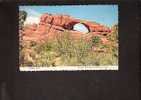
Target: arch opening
column 80, row 27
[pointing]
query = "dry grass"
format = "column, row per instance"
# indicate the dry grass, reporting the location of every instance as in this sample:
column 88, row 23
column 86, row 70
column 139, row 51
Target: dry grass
column 65, row 51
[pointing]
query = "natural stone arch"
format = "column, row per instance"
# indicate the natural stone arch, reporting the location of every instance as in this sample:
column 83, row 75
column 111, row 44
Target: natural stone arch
column 81, row 28
column 70, row 25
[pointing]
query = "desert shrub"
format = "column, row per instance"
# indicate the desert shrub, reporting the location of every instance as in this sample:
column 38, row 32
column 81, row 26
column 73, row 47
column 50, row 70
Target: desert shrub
column 66, row 51
column 22, row 46
column 22, row 18
column 27, row 53
column 44, row 54
column 95, row 40
column 113, row 37
column 71, row 50
column 64, row 44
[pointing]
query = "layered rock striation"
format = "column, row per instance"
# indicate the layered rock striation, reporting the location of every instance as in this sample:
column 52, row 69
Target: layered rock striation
column 52, row 25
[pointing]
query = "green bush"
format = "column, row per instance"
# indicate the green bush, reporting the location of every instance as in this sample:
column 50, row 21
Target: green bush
column 95, row 40
column 64, row 51
column 22, row 18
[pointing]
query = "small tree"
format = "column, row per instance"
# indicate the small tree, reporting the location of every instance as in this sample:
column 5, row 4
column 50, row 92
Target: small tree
column 22, row 18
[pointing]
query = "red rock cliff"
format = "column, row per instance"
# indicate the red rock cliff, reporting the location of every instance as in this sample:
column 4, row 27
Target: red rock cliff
column 51, row 25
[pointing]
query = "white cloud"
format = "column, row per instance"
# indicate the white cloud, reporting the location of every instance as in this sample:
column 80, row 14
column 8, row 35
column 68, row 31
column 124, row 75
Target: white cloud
column 33, row 16
column 31, row 20
column 33, row 13
column 30, row 11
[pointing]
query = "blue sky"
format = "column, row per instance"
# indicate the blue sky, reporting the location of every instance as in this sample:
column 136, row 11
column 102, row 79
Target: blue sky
column 103, row 14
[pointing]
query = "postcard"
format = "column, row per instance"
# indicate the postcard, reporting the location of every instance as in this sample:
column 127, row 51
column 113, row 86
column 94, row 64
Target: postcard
column 68, row 37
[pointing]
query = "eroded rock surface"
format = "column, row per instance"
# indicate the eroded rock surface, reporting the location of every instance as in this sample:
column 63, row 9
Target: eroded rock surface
column 52, row 25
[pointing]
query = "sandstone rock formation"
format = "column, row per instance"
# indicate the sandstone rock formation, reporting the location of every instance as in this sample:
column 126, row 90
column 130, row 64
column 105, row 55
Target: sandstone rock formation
column 52, row 25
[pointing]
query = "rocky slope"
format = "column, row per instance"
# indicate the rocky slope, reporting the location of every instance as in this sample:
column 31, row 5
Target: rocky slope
column 36, row 50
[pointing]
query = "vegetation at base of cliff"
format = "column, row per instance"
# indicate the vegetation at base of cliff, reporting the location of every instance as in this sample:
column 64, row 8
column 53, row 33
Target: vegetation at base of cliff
column 22, row 18
column 66, row 52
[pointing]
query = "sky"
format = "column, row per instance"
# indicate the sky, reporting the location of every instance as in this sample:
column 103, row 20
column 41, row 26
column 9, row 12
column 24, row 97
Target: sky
column 103, row 14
